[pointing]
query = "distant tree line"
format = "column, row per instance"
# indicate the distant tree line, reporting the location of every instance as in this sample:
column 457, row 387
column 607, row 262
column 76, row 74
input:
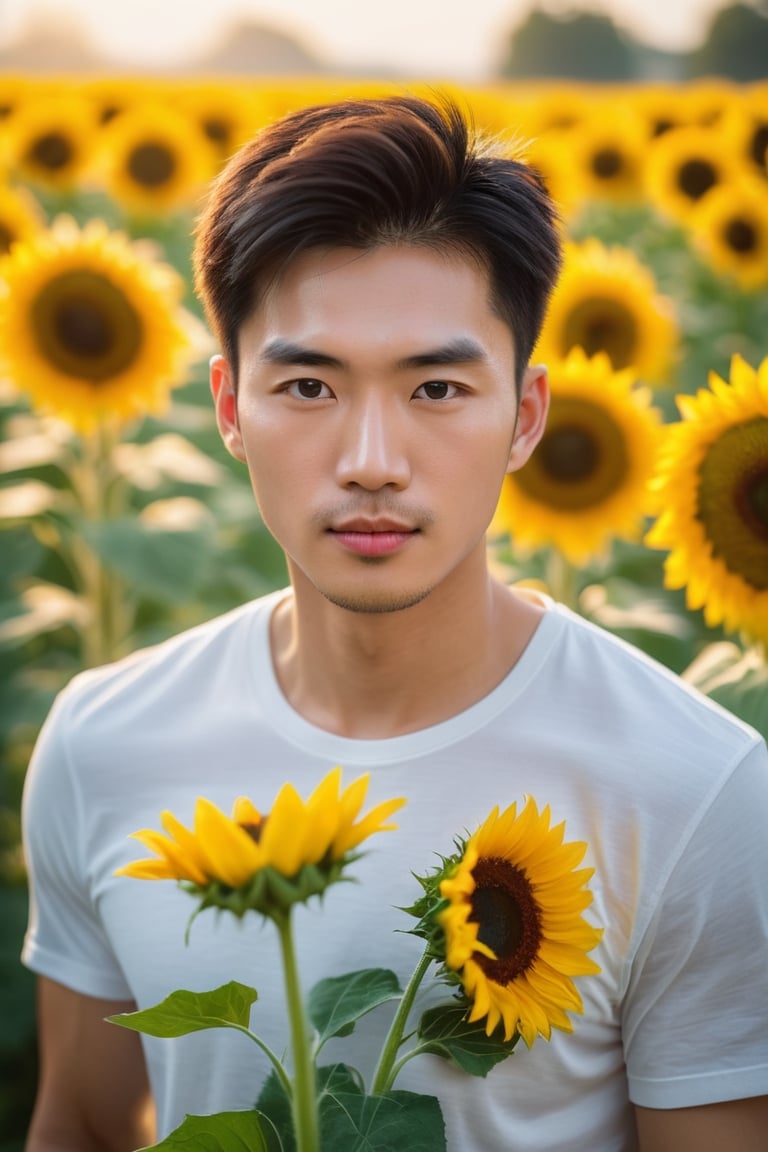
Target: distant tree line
column 588, row 45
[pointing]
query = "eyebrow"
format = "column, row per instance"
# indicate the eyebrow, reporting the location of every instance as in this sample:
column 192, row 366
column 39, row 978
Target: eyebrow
column 462, row 350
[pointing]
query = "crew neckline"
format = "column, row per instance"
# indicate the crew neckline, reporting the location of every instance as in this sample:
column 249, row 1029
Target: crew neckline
column 317, row 741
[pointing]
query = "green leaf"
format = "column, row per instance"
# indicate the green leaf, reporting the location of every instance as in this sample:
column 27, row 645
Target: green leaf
column 222, row 1132
column 332, row 1079
column 167, row 565
column 736, row 679
column 336, row 1004
column 445, row 1031
column 183, row 1012
column 390, row 1123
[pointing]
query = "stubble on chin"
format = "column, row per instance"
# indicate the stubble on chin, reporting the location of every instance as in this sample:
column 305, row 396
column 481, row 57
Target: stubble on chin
column 365, row 603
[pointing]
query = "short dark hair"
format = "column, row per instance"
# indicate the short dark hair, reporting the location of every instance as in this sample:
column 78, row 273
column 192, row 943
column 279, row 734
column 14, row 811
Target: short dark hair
column 365, row 173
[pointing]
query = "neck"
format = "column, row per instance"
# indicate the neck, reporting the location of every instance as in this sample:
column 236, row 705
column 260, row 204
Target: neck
column 372, row 676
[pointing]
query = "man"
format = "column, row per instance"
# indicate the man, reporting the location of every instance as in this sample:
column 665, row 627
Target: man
column 377, row 281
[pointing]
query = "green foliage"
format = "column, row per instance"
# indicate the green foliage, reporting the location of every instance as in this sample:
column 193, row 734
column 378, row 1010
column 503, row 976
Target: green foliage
column 735, row 47
column 183, row 1012
column 223, row 1132
column 336, row 1004
column 445, row 1031
column 579, row 45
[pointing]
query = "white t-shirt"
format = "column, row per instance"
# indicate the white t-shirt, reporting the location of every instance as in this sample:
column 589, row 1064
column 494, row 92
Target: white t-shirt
column 669, row 791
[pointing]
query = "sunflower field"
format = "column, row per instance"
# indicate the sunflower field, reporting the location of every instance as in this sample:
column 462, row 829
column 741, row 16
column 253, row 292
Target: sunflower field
column 123, row 519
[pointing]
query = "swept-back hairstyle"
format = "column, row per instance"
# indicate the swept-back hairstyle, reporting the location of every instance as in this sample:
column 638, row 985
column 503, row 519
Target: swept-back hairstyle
column 364, row 173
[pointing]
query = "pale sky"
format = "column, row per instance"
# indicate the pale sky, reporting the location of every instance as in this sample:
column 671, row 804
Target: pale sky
column 456, row 39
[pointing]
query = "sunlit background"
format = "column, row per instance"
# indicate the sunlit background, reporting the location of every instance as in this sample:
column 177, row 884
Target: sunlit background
column 426, row 38
column 123, row 520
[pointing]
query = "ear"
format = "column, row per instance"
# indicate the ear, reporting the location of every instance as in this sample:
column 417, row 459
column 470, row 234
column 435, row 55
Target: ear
column 531, row 415
column 225, row 404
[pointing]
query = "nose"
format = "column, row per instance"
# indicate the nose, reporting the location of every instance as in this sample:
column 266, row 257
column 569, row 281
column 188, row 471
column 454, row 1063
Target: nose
column 373, row 451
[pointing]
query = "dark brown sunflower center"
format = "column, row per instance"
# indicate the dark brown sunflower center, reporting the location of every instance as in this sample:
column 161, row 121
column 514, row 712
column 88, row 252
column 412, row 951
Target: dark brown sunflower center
column 508, row 918
column 696, row 177
column 217, row 130
column 86, row 327
column 6, row 238
column 759, row 145
column 741, row 235
column 570, row 453
column 600, row 324
column 733, row 500
column 581, row 461
column 52, row 151
column 607, row 163
column 151, row 164
column 255, row 831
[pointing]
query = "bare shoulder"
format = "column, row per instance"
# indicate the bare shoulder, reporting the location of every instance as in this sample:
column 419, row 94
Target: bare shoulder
column 93, row 1091
column 738, row 1125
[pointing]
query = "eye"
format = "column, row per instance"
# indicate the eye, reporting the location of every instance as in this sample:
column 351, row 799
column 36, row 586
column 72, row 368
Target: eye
column 308, row 389
column 436, row 390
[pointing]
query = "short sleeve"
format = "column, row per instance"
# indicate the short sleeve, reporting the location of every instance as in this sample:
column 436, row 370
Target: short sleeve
column 695, row 1017
column 65, row 940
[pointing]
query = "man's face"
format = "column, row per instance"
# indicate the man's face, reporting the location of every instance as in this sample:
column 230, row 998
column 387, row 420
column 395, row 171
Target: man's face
column 376, row 411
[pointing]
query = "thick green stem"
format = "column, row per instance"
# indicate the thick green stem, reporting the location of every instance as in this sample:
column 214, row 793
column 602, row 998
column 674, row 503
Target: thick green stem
column 94, row 484
column 304, row 1099
column 562, row 579
column 387, row 1069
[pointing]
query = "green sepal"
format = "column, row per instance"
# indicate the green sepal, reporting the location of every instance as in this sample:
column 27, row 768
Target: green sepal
column 445, row 1031
column 269, row 892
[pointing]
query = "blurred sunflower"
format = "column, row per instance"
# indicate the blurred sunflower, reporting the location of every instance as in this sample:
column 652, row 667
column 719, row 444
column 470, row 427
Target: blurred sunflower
column 225, row 119
column 607, row 301
column 712, row 482
column 513, row 924
column 607, row 150
column 154, row 158
column 684, row 164
column 550, row 156
column 49, row 140
column 661, row 107
column 89, row 327
column 730, row 230
column 264, row 862
column 747, row 122
column 588, row 480
column 20, row 217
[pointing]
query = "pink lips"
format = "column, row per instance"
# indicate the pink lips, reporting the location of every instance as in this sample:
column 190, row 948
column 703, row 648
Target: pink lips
column 372, row 538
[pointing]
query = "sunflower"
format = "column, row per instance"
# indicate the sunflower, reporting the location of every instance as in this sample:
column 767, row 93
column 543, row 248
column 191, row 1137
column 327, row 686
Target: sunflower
column 550, row 156
column 747, row 121
column 513, row 924
column 730, row 230
column 227, row 120
column 49, row 140
column 606, row 300
column 264, row 862
column 607, row 149
column 713, row 483
column 684, row 164
column 588, row 480
column 153, row 158
column 21, row 217
column 90, row 327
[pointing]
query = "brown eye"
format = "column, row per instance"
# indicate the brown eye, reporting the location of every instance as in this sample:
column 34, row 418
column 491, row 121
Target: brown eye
column 308, row 389
column 436, row 390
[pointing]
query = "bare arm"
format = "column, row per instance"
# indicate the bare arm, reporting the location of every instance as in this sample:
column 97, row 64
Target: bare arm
column 93, row 1094
column 738, row 1125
